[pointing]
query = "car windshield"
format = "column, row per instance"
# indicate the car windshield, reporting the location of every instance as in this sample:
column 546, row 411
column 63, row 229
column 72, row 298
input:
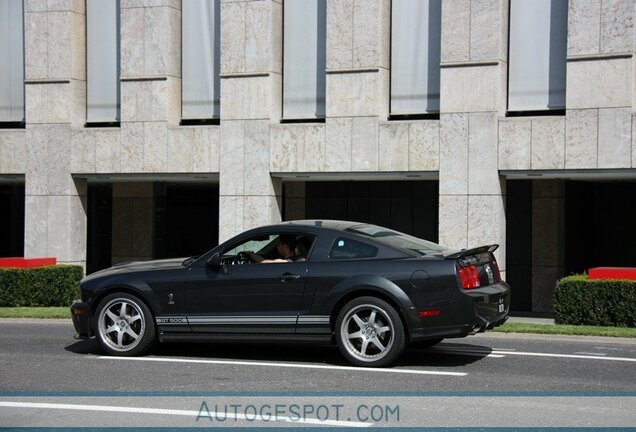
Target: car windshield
column 398, row 239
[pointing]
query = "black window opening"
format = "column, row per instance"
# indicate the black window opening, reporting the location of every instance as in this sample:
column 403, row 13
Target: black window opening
column 346, row 248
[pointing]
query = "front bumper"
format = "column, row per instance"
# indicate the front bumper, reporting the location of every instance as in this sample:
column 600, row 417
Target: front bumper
column 80, row 314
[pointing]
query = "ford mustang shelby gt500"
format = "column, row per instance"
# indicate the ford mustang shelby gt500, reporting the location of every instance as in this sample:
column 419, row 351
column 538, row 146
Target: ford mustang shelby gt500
column 369, row 289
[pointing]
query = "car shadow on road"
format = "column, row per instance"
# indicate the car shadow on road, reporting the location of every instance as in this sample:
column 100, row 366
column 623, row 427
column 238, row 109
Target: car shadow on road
column 441, row 355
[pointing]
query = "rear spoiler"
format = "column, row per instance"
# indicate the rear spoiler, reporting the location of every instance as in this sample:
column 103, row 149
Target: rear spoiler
column 450, row 254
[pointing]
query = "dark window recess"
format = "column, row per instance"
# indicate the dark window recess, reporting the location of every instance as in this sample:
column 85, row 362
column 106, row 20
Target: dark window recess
column 519, row 243
column 186, row 219
column 409, row 206
column 99, row 227
column 599, row 225
column 11, row 220
column 345, row 248
column 200, row 122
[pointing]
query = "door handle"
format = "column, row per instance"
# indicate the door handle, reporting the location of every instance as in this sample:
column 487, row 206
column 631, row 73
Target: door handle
column 288, row 276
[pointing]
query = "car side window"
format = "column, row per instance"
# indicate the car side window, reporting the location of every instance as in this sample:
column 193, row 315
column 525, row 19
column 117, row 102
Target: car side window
column 345, row 248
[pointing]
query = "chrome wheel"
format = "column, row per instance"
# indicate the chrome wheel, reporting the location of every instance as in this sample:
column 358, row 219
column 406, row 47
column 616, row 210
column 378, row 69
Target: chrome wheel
column 367, row 333
column 121, row 324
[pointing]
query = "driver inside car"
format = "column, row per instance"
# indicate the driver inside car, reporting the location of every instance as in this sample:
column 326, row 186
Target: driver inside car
column 286, row 249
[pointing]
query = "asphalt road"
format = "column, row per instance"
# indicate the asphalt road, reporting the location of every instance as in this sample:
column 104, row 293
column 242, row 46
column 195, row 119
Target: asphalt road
column 559, row 377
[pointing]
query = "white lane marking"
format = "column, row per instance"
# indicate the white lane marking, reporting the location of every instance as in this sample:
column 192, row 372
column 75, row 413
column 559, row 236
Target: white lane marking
column 477, row 351
column 467, row 353
column 576, row 356
column 504, row 349
column 286, row 365
column 172, row 412
column 590, row 353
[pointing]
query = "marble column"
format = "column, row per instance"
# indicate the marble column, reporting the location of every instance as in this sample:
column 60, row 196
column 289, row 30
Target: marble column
column 473, row 85
column 55, row 202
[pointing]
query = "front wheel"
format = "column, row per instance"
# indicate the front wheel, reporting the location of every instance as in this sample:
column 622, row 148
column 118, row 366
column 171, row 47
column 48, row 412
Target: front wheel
column 124, row 325
column 369, row 332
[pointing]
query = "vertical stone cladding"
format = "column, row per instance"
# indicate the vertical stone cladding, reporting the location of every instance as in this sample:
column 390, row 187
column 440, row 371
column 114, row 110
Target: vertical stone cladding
column 251, row 67
column 600, row 84
column 473, row 98
column 357, row 94
column 150, row 86
column 55, row 203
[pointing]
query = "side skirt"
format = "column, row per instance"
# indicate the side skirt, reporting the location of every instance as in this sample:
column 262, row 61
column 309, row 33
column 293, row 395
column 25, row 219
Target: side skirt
column 323, row 339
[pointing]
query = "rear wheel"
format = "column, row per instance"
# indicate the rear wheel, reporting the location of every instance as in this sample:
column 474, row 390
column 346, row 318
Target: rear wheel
column 124, row 325
column 369, row 332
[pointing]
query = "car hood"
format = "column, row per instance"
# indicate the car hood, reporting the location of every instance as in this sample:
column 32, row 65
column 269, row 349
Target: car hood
column 136, row 266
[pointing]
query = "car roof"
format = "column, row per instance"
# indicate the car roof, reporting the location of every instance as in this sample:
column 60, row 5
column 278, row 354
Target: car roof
column 337, row 225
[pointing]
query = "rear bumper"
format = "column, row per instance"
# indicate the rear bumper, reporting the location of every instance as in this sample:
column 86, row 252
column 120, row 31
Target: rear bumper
column 80, row 314
column 472, row 311
column 491, row 304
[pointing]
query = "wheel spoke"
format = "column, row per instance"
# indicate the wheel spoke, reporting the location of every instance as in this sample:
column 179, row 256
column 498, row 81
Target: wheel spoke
column 122, row 310
column 358, row 320
column 132, row 333
column 355, row 335
column 381, row 330
column 120, row 338
column 377, row 343
column 132, row 319
column 112, row 328
column 111, row 315
column 363, row 349
column 371, row 318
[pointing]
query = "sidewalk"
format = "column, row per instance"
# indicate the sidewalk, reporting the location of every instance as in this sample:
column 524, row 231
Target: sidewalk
column 530, row 320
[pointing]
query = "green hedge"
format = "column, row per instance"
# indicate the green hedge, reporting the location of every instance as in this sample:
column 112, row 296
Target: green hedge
column 580, row 301
column 41, row 286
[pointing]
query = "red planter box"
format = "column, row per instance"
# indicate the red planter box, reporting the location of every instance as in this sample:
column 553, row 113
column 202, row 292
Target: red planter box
column 612, row 273
column 27, row 262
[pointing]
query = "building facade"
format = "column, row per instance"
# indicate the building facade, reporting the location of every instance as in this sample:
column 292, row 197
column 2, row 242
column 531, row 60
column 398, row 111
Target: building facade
column 150, row 128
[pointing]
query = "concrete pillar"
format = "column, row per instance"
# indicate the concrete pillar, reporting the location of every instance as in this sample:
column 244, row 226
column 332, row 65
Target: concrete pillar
column 150, row 83
column 55, row 203
column 133, row 222
column 357, row 85
column 473, row 85
column 251, row 67
column 548, row 241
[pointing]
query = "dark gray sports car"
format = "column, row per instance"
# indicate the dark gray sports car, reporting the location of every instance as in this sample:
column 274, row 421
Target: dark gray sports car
column 369, row 289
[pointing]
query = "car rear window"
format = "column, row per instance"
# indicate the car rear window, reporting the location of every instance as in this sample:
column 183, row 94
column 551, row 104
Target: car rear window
column 345, row 248
column 398, row 239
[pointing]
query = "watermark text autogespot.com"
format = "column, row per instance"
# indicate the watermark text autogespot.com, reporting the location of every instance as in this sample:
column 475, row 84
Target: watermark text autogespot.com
column 296, row 412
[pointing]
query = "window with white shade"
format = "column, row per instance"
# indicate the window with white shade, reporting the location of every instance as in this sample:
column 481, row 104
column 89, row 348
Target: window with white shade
column 102, row 61
column 11, row 62
column 537, row 60
column 304, row 59
column 201, row 59
column 415, row 56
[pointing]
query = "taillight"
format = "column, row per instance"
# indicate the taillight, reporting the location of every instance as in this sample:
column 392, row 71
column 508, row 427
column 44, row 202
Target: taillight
column 469, row 277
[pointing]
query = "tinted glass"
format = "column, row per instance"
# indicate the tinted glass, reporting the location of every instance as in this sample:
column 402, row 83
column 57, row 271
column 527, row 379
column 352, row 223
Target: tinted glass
column 398, row 239
column 344, row 248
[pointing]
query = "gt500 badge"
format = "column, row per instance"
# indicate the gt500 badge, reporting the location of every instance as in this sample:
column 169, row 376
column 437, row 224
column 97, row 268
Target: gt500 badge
column 172, row 320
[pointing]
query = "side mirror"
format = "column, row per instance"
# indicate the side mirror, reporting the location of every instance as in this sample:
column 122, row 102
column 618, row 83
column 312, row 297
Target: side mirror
column 214, row 262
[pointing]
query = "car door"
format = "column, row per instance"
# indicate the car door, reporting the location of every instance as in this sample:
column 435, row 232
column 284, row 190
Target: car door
column 240, row 297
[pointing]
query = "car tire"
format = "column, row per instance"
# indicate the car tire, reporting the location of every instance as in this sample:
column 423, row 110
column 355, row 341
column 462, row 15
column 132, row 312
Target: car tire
column 124, row 325
column 370, row 332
